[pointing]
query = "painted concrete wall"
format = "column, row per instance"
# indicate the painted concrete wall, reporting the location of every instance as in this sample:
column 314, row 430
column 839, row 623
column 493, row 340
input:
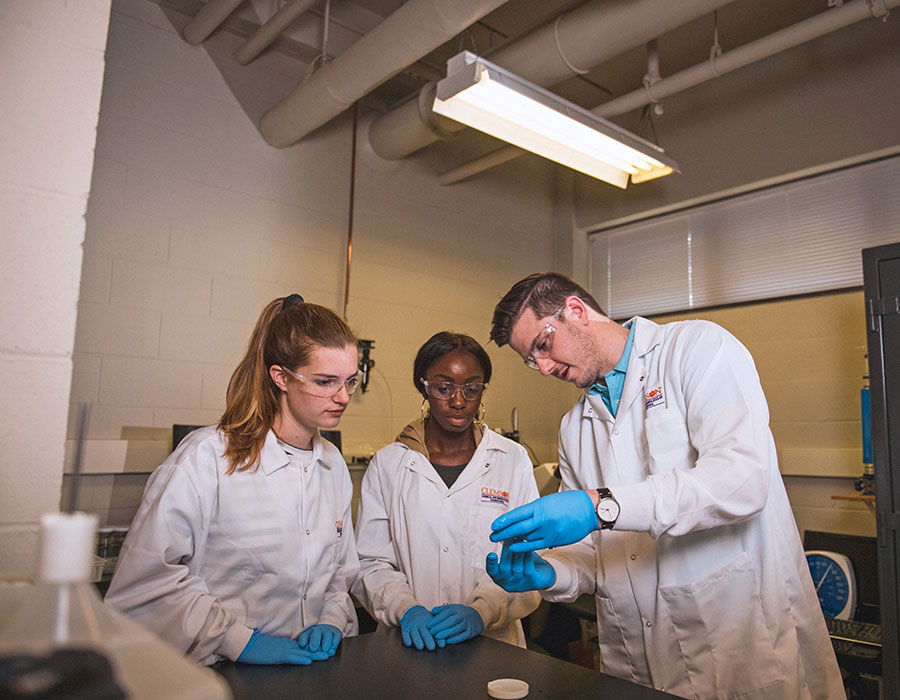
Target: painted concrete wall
column 51, row 72
column 194, row 223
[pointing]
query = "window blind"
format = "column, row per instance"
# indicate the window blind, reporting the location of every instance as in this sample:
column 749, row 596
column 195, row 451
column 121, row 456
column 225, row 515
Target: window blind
column 795, row 238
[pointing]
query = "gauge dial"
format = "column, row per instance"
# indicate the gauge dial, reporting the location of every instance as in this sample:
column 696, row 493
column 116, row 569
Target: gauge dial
column 835, row 582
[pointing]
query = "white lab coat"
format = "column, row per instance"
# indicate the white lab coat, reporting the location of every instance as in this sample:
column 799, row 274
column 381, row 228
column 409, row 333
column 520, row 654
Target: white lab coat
column 702, row 587
column 209, row 557
column 421, row 543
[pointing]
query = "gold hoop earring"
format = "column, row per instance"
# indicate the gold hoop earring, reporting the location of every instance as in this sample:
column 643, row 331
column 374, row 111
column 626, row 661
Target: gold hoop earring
column 481, row 411
column 426, row 409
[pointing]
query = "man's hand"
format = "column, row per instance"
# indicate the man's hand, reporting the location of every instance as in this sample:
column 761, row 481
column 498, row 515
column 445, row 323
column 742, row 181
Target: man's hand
column 554, row 520
column 519, row 571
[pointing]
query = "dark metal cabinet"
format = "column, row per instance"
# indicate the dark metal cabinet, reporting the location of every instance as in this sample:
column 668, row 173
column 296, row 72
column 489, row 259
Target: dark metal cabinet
column 881, row 275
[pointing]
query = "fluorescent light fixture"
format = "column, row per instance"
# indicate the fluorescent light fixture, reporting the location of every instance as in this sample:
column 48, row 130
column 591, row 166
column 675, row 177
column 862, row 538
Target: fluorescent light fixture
column 493, row 100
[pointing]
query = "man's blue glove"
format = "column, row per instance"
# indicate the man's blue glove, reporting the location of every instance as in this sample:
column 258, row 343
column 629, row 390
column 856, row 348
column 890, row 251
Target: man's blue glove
column 414, row 628
column 519, row 571
column 321, row 637
column 455, row 623
column 265, row 649
column 554, row 520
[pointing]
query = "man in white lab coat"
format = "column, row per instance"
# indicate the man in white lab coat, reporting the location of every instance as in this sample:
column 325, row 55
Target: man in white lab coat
column 671, row 501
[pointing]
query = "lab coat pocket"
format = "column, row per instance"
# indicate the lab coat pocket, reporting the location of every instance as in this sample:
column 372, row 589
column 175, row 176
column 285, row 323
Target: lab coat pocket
column 479, row 517
column 722, row 636
column 667, row 441
column 613, row 649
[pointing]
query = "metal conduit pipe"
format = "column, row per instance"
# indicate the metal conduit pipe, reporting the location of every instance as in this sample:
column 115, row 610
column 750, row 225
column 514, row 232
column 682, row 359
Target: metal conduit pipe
column 807, row 30
column 572, row 44
column 402, row 38
column 480, row 164
column 211, row 15
column 812, row 28
column 271, row 30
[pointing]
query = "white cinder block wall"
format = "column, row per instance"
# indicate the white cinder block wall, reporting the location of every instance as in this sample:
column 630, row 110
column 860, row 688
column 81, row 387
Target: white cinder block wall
column 51, row 71
column 194, row 223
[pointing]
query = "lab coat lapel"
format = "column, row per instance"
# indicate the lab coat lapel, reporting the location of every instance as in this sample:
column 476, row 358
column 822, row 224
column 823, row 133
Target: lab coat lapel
column 647, row 336
column 418, row 463
column 480, row 462
column 272, row 457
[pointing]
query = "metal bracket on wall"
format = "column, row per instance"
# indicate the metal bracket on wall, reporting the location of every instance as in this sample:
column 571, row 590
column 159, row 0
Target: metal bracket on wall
column 881, row 307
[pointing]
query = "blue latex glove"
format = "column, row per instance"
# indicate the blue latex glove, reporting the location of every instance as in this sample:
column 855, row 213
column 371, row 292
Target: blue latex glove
column 321, row 637
column 455, row 623
column 414, row 628
column 519, row 571
column 554, row 520
column 265, row 649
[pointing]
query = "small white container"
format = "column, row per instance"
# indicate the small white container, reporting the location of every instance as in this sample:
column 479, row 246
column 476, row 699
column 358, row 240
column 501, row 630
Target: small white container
column 507, row 688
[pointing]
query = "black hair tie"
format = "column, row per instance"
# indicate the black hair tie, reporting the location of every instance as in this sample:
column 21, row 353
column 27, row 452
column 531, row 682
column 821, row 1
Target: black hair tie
column 290, row 300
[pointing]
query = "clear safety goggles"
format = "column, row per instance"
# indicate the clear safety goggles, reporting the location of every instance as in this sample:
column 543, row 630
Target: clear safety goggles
column 444, row 391
column 325, row 387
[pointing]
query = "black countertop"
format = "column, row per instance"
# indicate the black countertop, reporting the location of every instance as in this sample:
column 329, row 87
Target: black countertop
column 377, row 665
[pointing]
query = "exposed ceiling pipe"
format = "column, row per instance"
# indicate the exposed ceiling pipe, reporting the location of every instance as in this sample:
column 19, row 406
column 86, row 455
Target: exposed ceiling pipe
column 402, row 38
column 824, row 23
column 263, row 37
column 812, row 28
column 211, row 15
column 572, row 44
column 406, row 128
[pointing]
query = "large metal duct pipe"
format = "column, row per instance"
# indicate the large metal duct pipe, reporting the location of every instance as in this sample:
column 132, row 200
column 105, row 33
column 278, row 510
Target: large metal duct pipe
column 211, row 15
column 271, row 30
column 572, row 44
column 404, row 37
column 812, row 28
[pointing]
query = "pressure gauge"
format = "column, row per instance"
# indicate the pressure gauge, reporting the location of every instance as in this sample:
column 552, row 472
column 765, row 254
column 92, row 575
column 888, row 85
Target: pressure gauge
column 835, row 582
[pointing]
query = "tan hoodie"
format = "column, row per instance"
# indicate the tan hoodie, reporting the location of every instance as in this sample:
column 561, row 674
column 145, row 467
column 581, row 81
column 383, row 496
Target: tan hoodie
column 413, row 436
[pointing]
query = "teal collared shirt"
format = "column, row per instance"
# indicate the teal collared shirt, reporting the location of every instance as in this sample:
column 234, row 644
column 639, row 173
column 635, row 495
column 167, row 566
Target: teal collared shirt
column 615, row 378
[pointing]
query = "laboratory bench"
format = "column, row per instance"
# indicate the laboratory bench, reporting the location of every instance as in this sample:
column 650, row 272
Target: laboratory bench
column 378, row 665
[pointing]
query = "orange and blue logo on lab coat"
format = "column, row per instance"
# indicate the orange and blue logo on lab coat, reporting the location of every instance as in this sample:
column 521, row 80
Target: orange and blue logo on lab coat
column 339, row 527
column 489, row 495
column 654, row 397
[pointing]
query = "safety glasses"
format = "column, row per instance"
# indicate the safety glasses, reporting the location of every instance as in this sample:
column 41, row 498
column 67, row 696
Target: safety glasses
column 444, row 391
column 326, row 386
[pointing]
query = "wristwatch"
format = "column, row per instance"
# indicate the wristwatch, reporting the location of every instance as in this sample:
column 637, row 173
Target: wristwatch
column 607, row 509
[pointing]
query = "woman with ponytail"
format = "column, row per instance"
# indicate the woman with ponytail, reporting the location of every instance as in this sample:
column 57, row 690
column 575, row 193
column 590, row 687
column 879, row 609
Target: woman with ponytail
column 243, row 547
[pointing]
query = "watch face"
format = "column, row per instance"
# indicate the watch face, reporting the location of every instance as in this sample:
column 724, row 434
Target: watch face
column 608, row 510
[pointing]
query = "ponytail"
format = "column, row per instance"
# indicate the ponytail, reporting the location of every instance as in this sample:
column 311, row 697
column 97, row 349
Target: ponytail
column 286, row 333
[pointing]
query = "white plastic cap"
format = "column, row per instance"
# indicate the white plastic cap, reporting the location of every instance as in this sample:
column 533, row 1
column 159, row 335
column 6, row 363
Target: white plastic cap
column 67, row 547
column 507, row 688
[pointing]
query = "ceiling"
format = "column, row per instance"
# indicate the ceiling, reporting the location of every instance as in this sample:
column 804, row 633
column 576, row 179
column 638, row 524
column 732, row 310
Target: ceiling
column 737, row 23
